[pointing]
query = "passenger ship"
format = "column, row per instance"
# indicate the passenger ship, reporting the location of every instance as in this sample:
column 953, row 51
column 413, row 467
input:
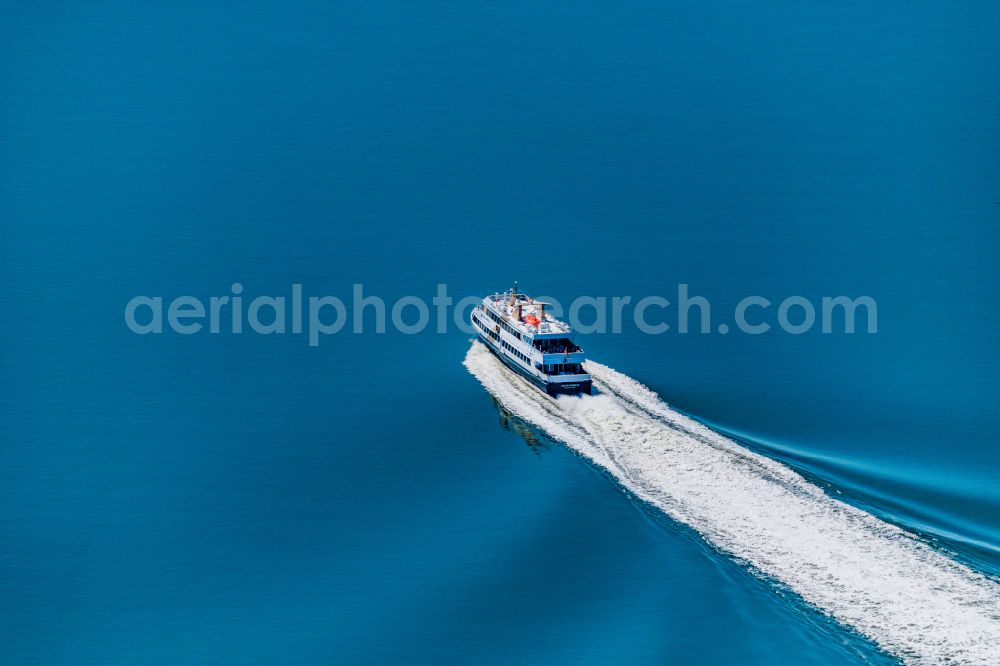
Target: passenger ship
column 532, row 343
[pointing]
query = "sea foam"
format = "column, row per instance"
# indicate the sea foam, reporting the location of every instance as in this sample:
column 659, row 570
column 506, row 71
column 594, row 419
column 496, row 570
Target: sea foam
column 884, row 582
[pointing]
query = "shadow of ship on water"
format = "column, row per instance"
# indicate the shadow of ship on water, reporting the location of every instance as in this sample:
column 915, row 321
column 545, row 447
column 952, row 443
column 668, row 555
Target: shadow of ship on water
column 536, row 441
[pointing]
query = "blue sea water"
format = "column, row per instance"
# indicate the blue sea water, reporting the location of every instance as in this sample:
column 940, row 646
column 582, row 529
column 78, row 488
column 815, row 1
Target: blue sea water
column 251, row 499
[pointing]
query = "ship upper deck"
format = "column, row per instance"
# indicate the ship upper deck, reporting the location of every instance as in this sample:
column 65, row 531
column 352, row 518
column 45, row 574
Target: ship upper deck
column 522, row 312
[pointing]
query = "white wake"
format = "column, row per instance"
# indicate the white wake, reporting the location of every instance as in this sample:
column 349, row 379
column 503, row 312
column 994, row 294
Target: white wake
column 911, row 600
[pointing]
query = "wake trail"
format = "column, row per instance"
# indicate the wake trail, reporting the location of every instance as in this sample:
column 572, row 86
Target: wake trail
column 882, row 581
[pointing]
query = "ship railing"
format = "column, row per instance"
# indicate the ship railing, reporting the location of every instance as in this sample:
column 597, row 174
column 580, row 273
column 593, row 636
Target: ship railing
column 557, row 349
